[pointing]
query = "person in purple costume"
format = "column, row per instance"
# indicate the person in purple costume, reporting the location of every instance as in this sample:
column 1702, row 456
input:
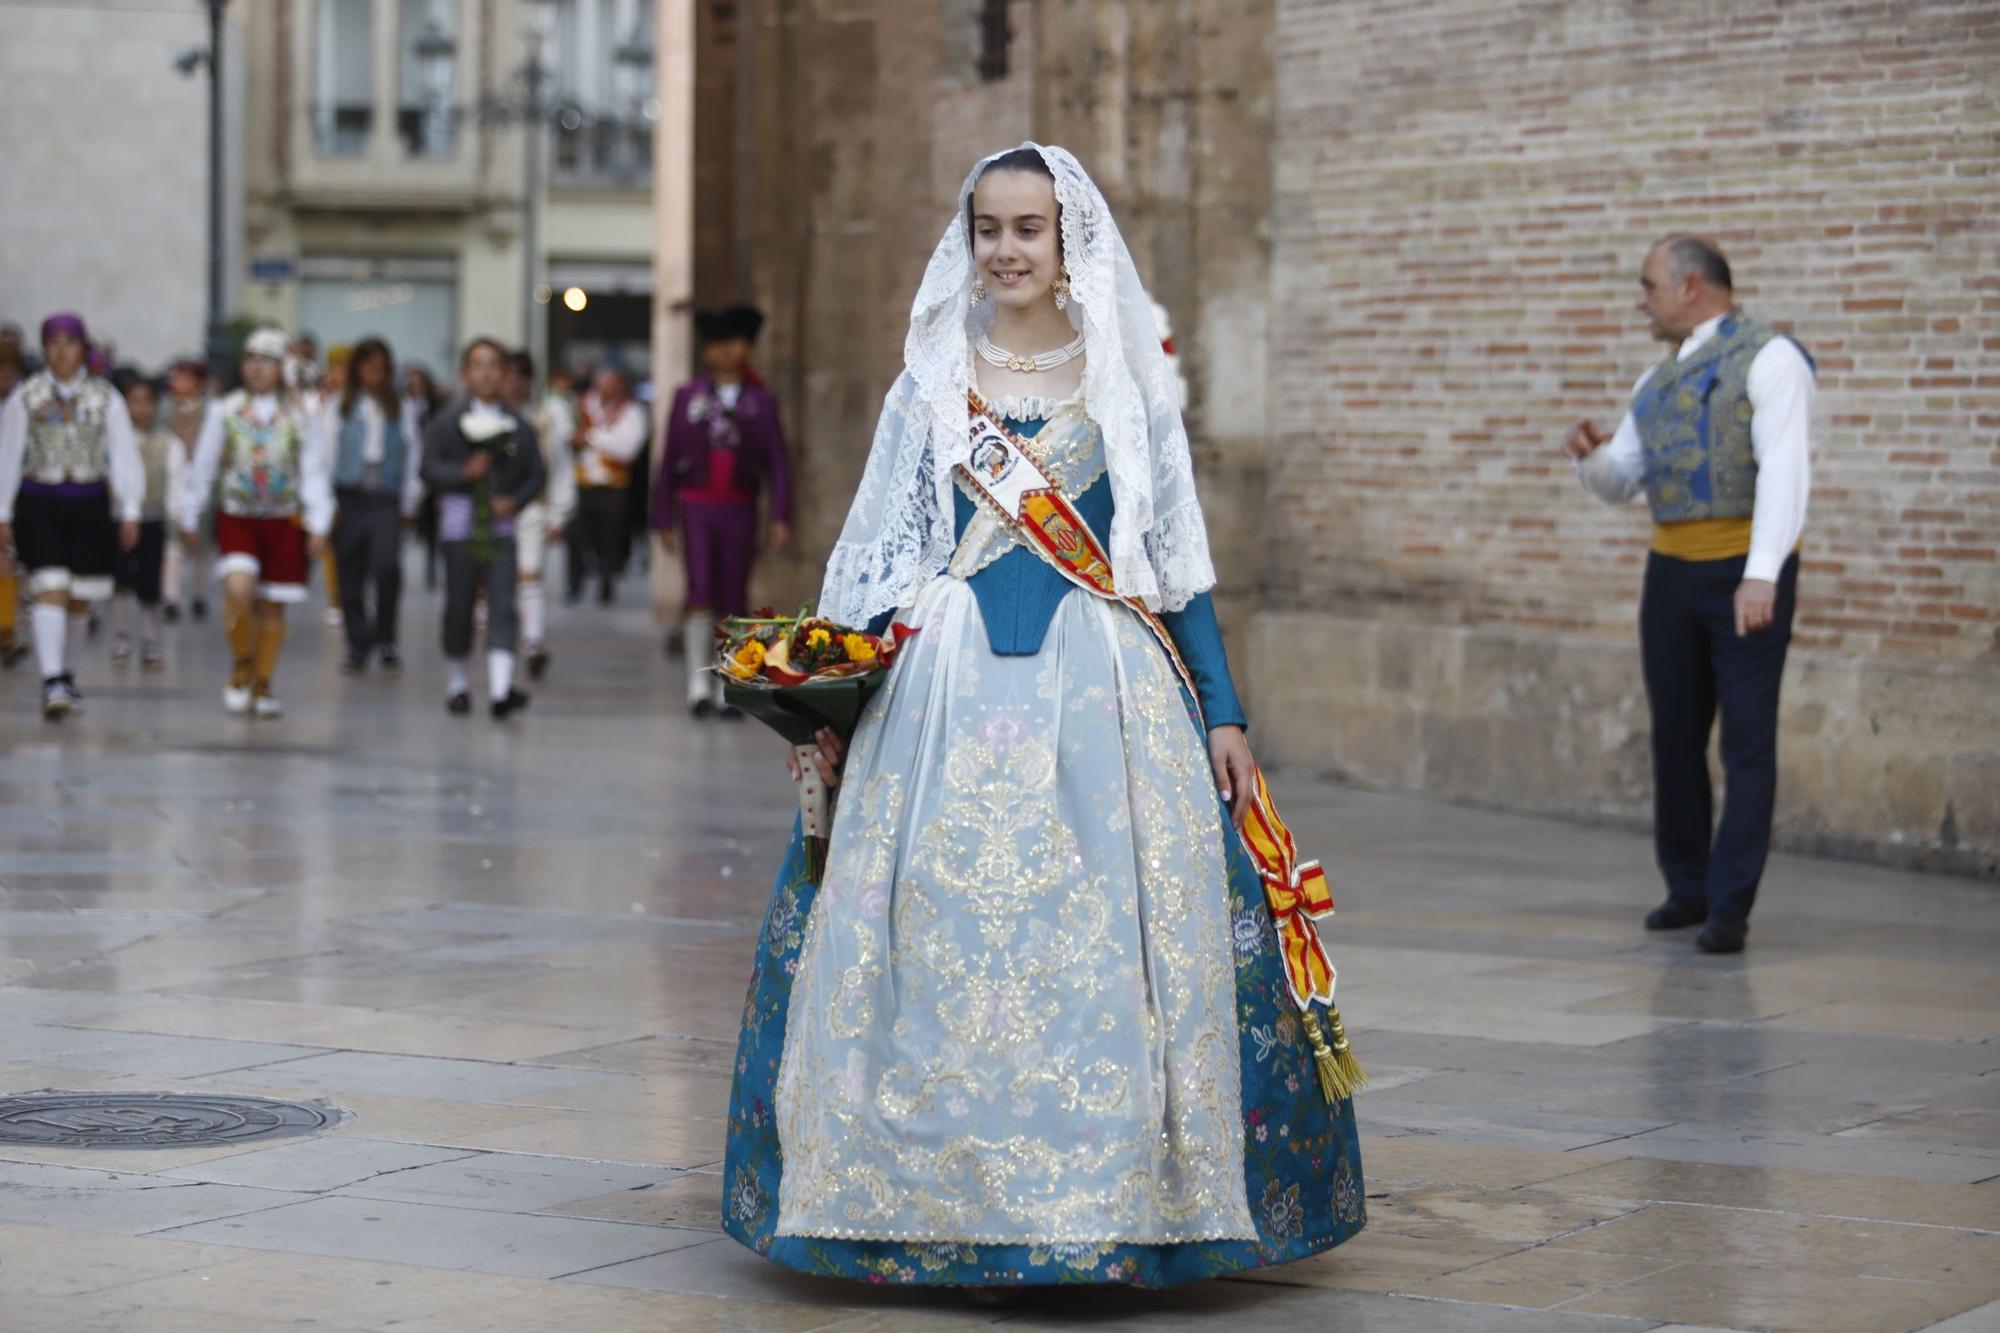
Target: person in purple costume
column 724, row 441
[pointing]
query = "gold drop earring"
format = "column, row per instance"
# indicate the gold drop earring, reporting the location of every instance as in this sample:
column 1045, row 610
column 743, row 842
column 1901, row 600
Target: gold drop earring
column 1061, row 288
column 978, row 290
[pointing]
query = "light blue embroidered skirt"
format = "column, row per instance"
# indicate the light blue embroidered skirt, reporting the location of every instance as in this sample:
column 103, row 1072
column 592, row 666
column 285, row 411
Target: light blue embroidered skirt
column 1033, row 1027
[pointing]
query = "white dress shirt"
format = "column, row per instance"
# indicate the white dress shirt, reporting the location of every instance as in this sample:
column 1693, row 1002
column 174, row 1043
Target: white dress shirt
column 123, row 467
column 1780, row 385
column 618, row 439
column 560, row 423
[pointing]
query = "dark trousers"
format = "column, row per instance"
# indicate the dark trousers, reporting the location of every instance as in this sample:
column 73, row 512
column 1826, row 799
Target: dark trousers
column 367, row 552
column 1695, row 664
column 139, row 568
column 596, row 536
column 464, row 576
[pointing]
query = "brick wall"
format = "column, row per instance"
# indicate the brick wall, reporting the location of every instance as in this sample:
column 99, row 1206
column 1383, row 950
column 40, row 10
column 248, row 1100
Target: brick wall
column 1463, row 193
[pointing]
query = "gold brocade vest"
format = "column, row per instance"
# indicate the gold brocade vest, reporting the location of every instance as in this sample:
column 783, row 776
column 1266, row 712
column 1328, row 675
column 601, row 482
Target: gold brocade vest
column 66, row 435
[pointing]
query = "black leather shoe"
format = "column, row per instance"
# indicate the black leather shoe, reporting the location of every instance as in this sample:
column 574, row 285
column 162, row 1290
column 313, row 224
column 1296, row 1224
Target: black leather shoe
column 515, row 702
column 458, row 705
column 390, row 659
column 702, row 708
column 1720, row 937
column 1674, row 914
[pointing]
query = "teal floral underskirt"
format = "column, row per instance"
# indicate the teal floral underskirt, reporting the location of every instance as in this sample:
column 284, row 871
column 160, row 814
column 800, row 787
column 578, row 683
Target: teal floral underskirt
column 1302, row 1158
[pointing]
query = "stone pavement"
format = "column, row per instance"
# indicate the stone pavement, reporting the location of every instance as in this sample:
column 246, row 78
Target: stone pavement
column 514, row 957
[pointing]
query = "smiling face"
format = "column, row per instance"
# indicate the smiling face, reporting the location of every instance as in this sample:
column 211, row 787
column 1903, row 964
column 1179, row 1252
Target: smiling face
column 1016, row 243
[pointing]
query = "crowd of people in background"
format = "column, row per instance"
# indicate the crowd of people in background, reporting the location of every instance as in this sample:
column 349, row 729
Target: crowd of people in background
column 131, row 499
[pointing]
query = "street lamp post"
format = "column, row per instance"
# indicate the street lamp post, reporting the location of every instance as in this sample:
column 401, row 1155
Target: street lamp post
column 216, row 337
column 536, row 112
column 217, row 351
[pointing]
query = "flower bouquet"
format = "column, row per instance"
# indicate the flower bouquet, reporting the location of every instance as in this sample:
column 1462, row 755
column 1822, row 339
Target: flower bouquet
column 485, row 430
column 797, row 674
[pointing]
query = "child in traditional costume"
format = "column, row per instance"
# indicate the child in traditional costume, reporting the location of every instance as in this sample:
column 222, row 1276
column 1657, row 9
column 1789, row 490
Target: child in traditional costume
column 274, row 508
column 139, row 579
column 724, row 443
column 71, row 491
column 484, row 464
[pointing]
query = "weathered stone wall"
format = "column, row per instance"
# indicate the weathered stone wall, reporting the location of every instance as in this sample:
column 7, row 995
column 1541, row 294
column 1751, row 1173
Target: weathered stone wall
column 105, row 159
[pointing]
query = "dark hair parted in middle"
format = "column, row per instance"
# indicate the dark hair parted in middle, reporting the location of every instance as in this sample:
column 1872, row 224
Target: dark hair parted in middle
column 385, row 396
column 1015, row 159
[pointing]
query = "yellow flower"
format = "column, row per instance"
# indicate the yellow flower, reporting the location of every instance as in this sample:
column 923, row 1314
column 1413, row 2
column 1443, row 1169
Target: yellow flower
column 747, row 660
column 858, row 648
column 819, row 638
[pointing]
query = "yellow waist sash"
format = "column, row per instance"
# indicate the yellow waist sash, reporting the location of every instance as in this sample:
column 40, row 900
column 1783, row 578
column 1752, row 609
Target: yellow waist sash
column 1702, row 538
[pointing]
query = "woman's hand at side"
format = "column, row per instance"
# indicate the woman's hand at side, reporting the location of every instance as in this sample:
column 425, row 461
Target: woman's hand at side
column 832, row 753
column 1235, row 770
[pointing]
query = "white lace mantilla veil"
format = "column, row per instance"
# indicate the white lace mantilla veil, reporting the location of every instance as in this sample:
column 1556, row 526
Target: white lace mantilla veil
column 899, row 532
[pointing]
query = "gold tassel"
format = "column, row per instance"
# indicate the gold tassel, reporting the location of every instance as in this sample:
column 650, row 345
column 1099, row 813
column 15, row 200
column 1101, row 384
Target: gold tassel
column 1340, row 1074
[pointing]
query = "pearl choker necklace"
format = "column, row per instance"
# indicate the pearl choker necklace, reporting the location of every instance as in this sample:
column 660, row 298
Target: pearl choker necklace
column 1029, row 365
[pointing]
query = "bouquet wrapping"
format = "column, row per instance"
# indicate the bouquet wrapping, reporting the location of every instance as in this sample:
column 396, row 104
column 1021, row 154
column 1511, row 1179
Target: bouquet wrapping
column 489, row 432
column 797, row 674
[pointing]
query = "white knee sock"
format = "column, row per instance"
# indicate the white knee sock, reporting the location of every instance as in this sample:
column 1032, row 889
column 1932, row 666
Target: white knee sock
column 534, row 611
column 499, row 673
column 457, row 684
column 700, row 654
column 51, row 622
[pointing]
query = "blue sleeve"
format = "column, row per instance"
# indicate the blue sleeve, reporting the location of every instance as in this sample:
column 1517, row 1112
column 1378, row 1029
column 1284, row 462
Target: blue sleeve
column 1199, row 640
column 880, row 624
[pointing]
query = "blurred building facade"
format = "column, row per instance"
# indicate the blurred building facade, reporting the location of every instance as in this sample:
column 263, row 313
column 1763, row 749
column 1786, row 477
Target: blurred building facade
column 104, row 169
column 1398, row 245
column 387, row 183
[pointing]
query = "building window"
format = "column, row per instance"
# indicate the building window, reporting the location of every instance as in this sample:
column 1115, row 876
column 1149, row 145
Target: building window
column 994, row 39
column 343, row 108
column 602, row 55
column 427, row 87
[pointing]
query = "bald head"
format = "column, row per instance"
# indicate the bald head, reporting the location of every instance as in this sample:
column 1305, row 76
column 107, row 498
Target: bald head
column 1684, row 282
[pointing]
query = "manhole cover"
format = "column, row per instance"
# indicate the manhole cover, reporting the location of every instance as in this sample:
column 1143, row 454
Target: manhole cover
column 152, row 1119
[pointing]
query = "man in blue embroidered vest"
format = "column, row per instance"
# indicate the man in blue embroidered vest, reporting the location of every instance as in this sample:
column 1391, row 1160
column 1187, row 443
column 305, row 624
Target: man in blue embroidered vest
column 1717, row 439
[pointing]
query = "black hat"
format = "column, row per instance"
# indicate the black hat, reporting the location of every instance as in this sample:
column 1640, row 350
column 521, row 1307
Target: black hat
column 738, row 321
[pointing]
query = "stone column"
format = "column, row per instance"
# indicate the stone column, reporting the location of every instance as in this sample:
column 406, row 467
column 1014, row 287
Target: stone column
column 673, row 236
column 1169, row 106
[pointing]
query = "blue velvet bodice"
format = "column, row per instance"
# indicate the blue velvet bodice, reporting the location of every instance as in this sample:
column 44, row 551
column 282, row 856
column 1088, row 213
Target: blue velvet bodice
column 1018, row 595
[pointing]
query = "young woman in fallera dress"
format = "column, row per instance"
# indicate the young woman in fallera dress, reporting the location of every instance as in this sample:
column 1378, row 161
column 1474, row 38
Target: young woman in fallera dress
column 1032, row 1027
